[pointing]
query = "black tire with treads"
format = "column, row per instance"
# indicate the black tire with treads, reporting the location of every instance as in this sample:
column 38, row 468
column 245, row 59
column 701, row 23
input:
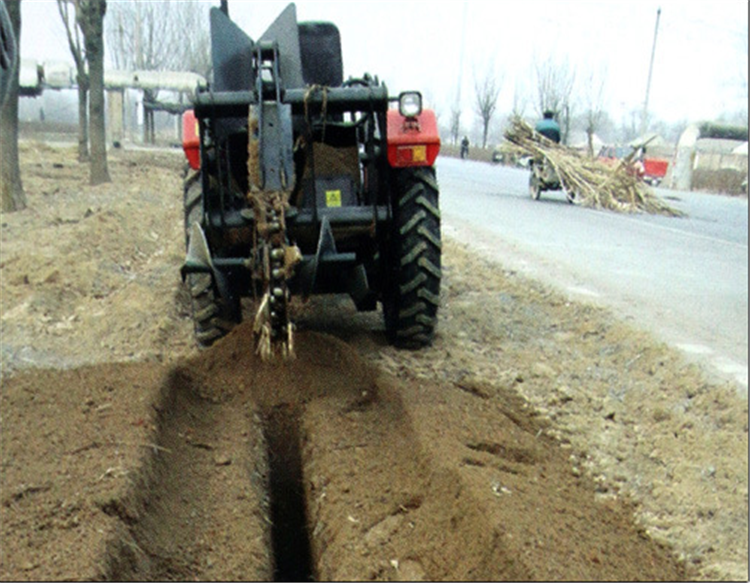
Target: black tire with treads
column 212, row 319
column 412, row 292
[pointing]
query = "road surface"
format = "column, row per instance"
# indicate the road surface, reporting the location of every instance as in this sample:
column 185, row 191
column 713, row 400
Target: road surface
column 684, row 279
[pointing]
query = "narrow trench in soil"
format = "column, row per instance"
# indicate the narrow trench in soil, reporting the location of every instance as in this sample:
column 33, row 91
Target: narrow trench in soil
column 213, row 508
column 202, row 501
column 289, row 528
column 331, row 480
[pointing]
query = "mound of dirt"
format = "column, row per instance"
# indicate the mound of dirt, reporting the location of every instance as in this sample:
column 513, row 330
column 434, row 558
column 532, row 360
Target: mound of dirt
column 537, row 439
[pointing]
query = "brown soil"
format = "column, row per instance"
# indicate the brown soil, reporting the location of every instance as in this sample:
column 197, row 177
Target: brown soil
column 537, row 439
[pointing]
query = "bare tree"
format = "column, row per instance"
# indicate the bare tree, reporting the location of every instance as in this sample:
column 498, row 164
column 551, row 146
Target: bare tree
column 194, row 47
column 90, row 18
column 455, row 124
column 82, row 79
column 8, row 52
column 487, row 89
column 11, row 189
column 554, row 83
column 630, row 125
column 593, row 104
column 138, row 33
column 159, row 36
column 519, row 100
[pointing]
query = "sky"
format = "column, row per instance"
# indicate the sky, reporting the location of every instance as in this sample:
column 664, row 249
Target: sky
column 442, row 47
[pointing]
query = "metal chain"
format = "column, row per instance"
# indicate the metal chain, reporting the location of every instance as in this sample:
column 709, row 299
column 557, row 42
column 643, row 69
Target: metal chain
column 274, row 259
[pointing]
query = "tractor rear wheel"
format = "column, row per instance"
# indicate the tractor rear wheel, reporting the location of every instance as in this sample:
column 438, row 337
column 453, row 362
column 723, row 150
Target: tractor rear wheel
column 412, row 293
column 213, row 318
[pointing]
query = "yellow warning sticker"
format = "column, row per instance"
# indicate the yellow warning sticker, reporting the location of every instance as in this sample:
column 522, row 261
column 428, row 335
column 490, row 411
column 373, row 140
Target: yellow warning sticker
column 333, row 198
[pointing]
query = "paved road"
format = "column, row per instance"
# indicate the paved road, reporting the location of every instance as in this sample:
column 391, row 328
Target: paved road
column 685, row 279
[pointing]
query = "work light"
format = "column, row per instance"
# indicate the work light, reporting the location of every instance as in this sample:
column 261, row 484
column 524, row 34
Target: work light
column 410, row 103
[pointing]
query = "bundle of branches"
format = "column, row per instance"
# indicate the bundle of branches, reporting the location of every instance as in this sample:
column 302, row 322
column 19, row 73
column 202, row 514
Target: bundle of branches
column 594, row 183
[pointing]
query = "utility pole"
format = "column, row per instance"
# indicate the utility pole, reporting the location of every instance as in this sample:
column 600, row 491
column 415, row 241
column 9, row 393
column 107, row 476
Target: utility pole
column 644, row 118
column 457, row 108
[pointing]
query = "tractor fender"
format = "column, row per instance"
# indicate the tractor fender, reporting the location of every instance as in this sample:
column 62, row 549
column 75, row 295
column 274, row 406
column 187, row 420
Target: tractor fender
column 412, row 141
column 191, row 139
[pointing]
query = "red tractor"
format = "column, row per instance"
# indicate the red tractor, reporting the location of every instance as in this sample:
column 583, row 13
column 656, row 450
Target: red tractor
column 650, row 169
column 305, row 183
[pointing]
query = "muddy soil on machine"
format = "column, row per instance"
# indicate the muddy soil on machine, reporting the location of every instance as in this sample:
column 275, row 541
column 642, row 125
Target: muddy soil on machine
column 537, row 439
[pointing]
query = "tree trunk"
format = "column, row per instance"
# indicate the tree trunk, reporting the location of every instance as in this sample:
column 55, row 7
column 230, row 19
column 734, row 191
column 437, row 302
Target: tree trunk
column 145, row 122
column 11, row 190
column 82, row 79
column 455, row 125
column 92, row 20
column 83, row 120
column 566, row 125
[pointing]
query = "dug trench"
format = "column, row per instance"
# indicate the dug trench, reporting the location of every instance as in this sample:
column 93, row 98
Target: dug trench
column 536, row 439
column 315, row 470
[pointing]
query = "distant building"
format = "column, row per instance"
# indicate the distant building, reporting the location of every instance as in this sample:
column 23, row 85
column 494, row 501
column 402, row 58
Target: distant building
column 712, row 158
